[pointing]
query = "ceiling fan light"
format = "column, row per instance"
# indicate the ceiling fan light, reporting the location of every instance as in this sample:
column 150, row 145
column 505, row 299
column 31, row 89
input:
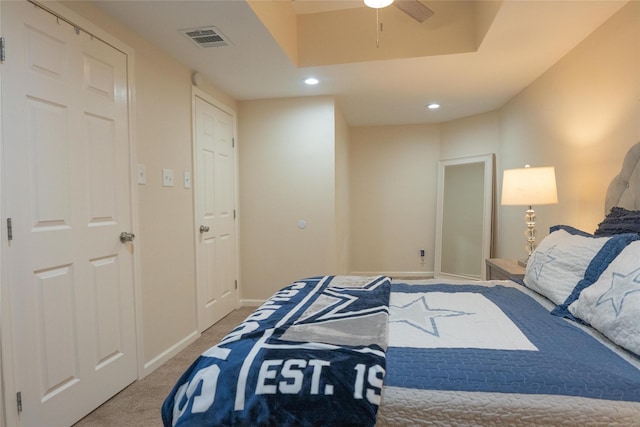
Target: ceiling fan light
column 378, row 4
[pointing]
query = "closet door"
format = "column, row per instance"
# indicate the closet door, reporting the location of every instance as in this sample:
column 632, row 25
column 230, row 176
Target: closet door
column 215, row 212
column 67, row 196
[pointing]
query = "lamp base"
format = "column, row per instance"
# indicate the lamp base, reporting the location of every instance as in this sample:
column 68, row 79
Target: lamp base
column 523, row 262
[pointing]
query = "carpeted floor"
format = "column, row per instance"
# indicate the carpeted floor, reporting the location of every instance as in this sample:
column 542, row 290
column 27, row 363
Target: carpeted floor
column 139, row 404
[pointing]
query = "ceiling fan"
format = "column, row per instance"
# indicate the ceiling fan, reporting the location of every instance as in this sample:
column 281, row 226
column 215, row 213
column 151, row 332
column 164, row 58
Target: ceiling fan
column 414, row 8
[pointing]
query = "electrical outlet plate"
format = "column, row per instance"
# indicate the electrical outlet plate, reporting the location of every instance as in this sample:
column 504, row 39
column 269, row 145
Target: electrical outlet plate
column 167, row 177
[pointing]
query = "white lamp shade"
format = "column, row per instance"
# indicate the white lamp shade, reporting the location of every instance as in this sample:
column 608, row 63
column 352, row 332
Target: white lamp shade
column 529, row 186
column 378, row 4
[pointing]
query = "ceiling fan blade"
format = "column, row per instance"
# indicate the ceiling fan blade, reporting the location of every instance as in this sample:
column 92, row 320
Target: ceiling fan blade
column 415, row 9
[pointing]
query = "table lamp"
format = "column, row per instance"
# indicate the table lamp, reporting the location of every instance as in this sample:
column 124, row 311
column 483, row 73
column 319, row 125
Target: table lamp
column 527, row 187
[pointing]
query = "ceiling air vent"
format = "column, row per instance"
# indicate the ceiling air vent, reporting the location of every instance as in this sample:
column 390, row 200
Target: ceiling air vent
column 206, row 36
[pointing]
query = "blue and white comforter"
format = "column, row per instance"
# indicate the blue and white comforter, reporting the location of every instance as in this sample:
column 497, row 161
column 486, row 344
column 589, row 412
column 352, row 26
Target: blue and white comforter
column 490, row 353
column 336, row 351
column 313, row 354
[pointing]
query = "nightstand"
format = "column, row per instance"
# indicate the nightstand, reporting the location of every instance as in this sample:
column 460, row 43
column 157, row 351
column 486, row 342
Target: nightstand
column 504, row 269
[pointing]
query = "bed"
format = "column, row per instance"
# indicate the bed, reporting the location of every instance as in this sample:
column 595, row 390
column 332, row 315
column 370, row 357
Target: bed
column 558, row 348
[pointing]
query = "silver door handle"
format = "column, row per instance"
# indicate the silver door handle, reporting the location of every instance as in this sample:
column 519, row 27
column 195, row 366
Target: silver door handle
column 127, row 237
column 204, row 228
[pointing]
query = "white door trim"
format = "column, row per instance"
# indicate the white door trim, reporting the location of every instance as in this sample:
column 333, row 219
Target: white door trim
column 199, row 93
column 9, row 408
column 3, row 312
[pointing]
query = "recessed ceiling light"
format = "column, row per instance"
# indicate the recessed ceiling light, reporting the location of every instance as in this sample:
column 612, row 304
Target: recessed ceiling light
column 311, row 81
column 433, row 106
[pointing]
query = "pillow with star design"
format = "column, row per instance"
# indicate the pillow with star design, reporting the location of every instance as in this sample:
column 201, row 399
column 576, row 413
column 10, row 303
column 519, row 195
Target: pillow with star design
column 612, row 304
column 568, row 260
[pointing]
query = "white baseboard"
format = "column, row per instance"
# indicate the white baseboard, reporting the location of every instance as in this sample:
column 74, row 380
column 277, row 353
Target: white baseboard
column 396, row 274
column 157, row 361
column 393, row 275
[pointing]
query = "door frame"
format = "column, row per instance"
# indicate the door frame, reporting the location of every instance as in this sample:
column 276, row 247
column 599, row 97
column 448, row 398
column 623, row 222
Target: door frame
column 196, row 92
column 8, row 407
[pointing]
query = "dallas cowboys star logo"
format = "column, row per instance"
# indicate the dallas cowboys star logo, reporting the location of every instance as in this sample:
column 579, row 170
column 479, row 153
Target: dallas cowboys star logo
column 337, row 303
column 622, row 285
column 540, row 259
column 418, row 314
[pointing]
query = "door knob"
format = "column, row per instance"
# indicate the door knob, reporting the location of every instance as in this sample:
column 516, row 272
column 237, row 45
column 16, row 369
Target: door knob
column 204, row 228
column 127, row 237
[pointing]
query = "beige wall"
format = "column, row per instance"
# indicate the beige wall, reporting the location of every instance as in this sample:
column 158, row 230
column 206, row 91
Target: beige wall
column 393, row 172
column 581, row 116
column 287, row 153
column 470, row 136
column 165, row 237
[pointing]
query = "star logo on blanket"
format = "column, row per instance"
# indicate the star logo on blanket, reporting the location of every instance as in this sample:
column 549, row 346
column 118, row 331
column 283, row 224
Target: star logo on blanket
column 342, row 314
column 341, row 302
column 418, row 314
column 540, row 259
column 622, row 285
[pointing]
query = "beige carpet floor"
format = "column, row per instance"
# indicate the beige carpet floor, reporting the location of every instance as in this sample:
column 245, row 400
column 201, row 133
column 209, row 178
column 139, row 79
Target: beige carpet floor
column 139, row 404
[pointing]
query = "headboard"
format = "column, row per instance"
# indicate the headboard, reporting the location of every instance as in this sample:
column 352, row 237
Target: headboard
column 624, row 190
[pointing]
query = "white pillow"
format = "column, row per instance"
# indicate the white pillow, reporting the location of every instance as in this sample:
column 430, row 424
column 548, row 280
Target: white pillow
column 612, row 304
column 560, row 261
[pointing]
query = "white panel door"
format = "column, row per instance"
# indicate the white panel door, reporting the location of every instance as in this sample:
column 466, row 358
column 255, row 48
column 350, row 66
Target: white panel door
column 215, row 213
column 67, row 192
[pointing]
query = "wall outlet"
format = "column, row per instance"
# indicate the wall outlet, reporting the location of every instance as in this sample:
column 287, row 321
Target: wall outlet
column 167, row 177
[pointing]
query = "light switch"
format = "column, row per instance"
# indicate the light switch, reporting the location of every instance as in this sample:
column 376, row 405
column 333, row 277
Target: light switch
column 167, row 177
column 187, row 180
column 141, row 174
